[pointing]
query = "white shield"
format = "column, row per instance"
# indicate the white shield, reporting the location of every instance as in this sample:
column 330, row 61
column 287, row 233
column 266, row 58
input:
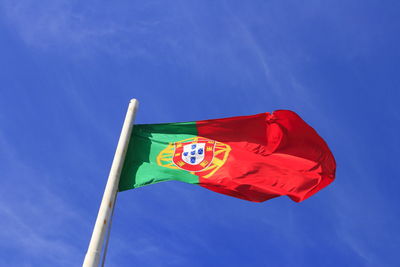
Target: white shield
column 193, row 153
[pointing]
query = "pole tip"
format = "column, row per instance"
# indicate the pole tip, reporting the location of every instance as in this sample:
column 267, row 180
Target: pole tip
column 134, row 103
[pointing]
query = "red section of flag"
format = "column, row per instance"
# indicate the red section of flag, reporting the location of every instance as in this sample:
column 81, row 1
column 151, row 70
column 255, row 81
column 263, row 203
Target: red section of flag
column 272, row 155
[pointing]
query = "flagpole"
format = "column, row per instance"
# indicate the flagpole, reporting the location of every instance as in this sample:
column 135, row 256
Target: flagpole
column 92, row 257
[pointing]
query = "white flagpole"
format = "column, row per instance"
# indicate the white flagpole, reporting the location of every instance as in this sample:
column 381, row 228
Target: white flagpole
column 92, row 257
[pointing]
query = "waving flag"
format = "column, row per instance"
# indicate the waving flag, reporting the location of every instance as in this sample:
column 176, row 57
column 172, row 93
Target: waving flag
column 255, row 158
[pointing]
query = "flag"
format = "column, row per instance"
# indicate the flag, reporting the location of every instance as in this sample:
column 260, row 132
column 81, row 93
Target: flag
column 255, row 157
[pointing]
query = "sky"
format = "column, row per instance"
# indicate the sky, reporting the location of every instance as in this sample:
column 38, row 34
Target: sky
column 69, row 68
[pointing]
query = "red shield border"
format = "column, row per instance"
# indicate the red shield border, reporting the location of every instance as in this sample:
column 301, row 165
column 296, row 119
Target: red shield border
column 208, row 155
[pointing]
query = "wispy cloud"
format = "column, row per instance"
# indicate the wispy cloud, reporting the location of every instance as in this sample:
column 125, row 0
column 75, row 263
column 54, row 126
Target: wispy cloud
column 178, row 35
column 60, row 24
column 36, row 223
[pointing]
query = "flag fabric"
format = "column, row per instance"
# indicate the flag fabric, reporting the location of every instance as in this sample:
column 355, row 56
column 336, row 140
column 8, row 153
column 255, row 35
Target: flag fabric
column 255, row 157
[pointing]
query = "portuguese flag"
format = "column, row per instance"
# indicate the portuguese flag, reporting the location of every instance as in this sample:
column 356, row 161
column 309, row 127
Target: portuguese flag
column 255, row 158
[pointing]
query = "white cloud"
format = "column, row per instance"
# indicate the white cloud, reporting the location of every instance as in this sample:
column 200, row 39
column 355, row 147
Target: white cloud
column 36, row 223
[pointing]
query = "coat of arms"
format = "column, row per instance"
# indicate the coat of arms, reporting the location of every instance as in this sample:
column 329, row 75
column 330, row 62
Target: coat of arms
column 198, row 155
column 194, row 156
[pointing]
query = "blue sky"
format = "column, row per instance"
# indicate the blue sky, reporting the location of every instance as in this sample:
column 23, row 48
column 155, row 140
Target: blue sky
column 67, row 72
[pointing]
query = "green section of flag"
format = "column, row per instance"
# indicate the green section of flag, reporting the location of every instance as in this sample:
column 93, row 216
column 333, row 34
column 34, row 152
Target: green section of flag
column 147, row 141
